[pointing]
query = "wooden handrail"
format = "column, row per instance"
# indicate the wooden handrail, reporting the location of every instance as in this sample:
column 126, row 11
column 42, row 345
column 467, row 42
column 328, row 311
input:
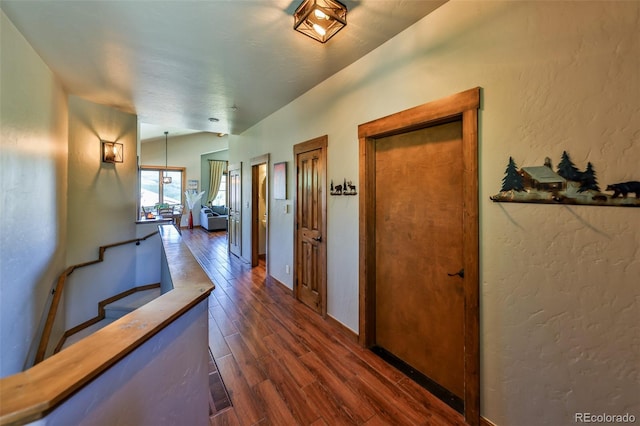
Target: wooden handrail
column 33, row 394
column 57, row 293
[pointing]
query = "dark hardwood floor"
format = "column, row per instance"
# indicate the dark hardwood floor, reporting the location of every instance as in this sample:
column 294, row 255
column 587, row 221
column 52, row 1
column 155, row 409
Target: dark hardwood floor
column 282, row 364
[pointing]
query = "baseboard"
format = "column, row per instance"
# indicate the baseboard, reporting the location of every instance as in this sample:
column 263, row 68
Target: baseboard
column 485, row 422
column 280, row 284
column 101, row 313
column 105, row 302
column 350, row 334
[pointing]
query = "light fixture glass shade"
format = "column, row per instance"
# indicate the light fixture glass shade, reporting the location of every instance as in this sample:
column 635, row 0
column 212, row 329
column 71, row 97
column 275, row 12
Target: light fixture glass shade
column 112, row 152
column 166, row 179
column 320, row 19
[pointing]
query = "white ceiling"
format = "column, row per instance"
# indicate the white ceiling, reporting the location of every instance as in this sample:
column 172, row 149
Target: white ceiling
column 176, row 63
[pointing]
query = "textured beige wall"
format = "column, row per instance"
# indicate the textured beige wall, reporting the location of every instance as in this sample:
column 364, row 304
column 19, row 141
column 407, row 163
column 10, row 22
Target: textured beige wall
column 102, row 196
column 101, row 207
column 33, row 199
column 559, row 284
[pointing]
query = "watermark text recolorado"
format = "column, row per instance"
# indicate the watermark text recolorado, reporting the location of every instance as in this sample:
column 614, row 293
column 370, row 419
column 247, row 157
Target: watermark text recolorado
column 603, row 418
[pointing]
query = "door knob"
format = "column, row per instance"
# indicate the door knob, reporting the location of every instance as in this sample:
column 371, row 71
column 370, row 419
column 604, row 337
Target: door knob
column 318, row 238
column 459, row 273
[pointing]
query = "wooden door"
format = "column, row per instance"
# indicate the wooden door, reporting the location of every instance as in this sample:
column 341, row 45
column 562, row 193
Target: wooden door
column 418, row 226
column 235, row 209
column 409, row 223
column 310, row 233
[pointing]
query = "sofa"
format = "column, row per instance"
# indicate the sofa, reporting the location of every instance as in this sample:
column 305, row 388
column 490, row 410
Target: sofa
column 214, row 218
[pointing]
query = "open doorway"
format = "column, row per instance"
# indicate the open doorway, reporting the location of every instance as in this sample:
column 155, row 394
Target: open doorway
column 259, row 209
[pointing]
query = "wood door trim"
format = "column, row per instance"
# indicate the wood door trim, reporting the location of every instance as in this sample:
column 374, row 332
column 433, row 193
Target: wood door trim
column 471, row 258
column 422, row 115
column 262, row 159
column 462, row 106
column 321, row 143
column 310, row 145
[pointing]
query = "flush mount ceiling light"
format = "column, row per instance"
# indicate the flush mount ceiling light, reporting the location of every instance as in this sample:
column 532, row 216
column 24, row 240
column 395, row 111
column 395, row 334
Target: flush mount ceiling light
column 213, row 119
column 320, row 19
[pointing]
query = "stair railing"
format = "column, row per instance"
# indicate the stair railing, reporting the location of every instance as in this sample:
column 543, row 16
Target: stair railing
column 59, row 287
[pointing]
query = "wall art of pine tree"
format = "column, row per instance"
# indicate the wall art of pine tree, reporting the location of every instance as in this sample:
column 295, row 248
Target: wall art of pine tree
column 512, row 180
column 588, row 179
column 567, row 169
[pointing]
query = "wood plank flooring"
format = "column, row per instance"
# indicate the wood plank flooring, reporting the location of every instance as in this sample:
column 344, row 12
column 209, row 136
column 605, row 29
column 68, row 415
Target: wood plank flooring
column 282, row 364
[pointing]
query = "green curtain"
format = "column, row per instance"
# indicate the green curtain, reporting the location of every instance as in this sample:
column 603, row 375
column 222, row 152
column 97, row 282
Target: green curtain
column 217, row 168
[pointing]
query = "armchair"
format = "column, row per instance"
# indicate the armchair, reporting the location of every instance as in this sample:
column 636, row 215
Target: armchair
column 214, row 218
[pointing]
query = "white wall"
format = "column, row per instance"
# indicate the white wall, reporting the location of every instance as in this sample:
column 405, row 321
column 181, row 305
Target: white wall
column 102, row 196
column 183, row 151
column 147, row 255
column 47, row 142
column 33, row 200
column 102, row 203
column 559, row 293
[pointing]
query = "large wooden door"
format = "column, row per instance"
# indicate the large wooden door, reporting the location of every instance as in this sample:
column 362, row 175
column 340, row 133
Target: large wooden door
column 418, row 226
column 419, row 244
column 310, row 233
column 235, row 209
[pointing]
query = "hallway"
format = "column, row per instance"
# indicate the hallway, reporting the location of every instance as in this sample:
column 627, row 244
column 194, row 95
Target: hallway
column 282, row 364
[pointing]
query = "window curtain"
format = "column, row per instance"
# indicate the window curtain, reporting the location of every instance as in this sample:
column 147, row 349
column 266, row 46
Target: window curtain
column 217, row 168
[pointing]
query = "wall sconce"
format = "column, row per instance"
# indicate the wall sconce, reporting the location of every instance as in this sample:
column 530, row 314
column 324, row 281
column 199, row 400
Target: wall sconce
column 111, row 152
column 320, row 19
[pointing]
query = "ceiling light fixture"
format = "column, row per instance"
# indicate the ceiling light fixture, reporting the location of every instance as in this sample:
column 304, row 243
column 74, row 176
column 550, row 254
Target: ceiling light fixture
column 320, row 19
column 165, row 179
column 213, row 119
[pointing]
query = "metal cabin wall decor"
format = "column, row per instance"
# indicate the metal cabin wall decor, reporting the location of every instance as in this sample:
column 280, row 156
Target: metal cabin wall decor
column 347, row 188
column 566, row 185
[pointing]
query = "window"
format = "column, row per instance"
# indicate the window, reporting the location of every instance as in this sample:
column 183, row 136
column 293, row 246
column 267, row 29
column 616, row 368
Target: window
column 154, row 192
column 221, row 197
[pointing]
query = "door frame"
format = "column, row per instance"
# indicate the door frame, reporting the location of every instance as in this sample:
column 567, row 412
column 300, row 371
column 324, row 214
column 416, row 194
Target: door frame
column 256, row 162
column 320, row 143
column 462, row 106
